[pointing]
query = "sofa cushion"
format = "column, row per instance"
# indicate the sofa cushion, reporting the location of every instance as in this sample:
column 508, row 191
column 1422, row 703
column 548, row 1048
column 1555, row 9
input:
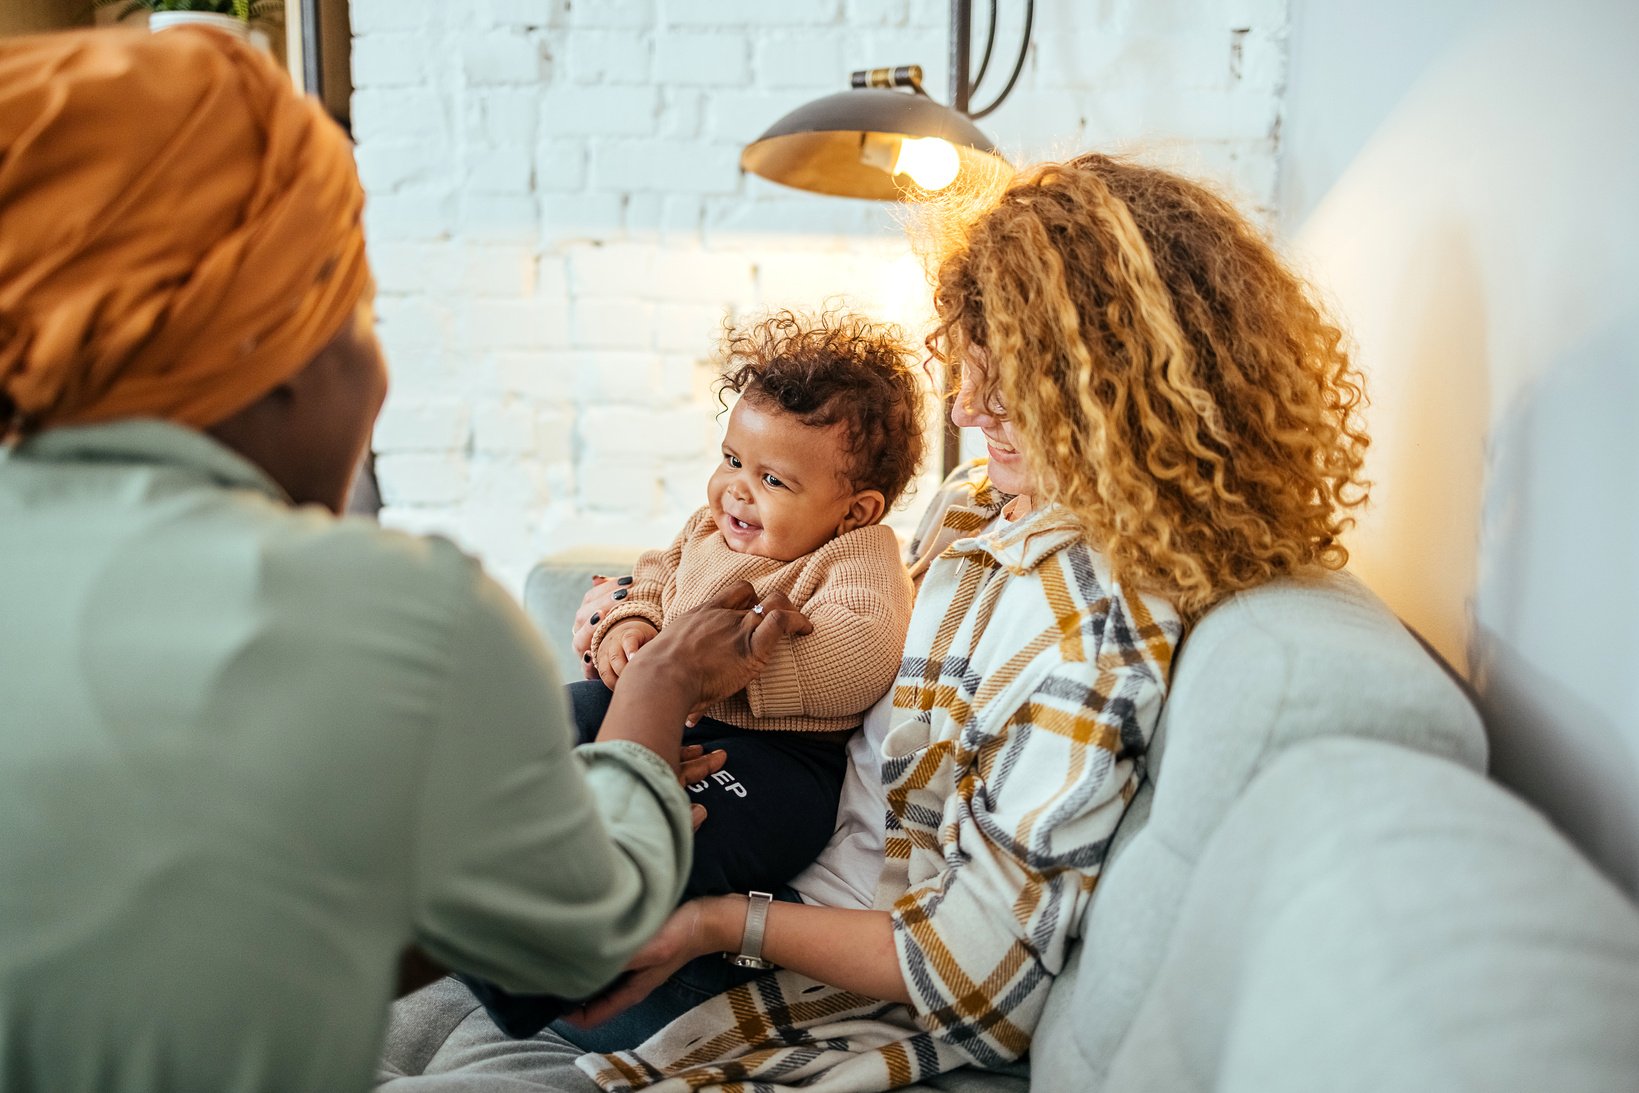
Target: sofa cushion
column 1294, row 660
column 1372, row 918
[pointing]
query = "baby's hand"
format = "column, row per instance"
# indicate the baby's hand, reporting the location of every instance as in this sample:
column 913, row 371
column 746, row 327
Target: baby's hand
column 598, row 599
column 624, row 639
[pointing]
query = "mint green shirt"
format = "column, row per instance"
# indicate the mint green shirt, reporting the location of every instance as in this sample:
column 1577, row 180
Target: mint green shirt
column 249, row 752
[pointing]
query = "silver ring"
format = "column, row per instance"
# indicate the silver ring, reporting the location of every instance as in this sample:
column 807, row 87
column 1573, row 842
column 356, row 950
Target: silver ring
column 758, row 610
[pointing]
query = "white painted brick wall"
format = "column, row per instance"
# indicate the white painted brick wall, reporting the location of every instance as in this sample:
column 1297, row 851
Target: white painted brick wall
column 559, row 224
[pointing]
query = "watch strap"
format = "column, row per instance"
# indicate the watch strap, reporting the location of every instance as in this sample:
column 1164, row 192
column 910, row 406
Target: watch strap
column 751, row 940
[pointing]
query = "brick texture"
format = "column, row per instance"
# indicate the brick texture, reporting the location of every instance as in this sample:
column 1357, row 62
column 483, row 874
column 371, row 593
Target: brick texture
column 559, row 224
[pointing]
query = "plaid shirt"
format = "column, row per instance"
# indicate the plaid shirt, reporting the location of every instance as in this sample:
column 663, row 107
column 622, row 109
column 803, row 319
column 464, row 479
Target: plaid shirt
column 1030, row 687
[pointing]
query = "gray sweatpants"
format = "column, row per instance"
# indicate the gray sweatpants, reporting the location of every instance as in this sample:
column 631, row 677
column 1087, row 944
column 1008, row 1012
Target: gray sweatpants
column 440, row 1039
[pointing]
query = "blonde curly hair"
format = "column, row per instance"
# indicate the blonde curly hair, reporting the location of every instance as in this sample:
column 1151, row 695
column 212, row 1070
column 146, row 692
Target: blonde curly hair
column 1167, row 378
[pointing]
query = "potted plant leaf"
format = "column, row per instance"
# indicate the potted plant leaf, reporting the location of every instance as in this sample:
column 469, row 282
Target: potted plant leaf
column 233, row 16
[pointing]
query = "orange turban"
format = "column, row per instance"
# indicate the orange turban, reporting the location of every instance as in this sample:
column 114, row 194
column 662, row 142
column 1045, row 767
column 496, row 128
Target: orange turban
column 179, row 228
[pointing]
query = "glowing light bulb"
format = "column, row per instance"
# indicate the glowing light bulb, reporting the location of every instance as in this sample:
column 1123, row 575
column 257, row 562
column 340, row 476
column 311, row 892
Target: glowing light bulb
column 931, row 162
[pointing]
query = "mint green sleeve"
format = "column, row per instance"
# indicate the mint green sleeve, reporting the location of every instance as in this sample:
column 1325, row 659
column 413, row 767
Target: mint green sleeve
column 540, row 867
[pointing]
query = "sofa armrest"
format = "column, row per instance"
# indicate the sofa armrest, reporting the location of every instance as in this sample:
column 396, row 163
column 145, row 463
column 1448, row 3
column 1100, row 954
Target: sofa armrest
column 1371, row 917
column 1294, row 661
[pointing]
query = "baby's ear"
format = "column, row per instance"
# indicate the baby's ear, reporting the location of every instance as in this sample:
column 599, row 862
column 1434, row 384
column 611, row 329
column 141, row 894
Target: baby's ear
column 866, row 508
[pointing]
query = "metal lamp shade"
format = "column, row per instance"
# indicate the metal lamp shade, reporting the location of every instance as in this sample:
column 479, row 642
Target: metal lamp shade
column 817, row 146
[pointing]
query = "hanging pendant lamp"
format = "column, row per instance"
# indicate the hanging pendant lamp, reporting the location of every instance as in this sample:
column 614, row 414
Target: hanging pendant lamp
column 886, row 139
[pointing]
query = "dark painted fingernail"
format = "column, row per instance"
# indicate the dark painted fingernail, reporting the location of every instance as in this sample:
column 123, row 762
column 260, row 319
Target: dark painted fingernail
column 594, row 619
column 587, row 657
column 624, row 580
column 621, row 595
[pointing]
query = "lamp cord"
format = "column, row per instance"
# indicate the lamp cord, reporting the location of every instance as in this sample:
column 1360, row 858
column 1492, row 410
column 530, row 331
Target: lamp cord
column 1018, row 64
column 990, row 44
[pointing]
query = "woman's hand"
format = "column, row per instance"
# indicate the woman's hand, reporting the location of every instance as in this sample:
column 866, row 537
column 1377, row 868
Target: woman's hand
column 622, row 640
column 700, row 657
column 722, row 645
column 696, row 765
column 679, row 941
column 598, row 599
column 842, row 946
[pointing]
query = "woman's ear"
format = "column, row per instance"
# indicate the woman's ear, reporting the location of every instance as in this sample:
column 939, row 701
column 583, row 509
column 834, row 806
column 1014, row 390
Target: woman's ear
column 866, row 508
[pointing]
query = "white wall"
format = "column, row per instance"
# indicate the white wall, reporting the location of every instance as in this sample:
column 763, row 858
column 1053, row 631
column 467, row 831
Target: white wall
column 558, row 222
column 1464, row 178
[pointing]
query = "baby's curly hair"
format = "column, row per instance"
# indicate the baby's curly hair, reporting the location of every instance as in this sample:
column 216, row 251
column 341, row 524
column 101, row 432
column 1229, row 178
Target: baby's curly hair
column 1173, row 384
column 831, row 368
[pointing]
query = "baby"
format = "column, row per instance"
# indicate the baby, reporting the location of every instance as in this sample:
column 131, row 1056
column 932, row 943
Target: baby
column 825, row 436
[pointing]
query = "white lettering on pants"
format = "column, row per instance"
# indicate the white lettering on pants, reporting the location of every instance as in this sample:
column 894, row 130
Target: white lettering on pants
column 724, row 779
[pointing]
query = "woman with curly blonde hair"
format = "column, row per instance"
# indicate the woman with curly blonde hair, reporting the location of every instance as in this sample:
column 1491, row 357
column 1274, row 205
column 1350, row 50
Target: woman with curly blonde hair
column 1168, row 418
column 1171, row 382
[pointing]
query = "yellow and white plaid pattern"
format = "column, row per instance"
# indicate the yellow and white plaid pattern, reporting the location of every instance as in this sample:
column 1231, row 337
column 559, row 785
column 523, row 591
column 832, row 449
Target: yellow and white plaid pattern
column 1014, row 750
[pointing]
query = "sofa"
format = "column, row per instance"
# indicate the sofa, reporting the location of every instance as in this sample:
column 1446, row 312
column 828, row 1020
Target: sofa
column 1316, row 888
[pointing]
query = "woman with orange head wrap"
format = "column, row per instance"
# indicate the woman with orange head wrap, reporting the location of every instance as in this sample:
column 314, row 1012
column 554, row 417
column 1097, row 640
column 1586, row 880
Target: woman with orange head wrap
column 179, row 233
column 249, row 752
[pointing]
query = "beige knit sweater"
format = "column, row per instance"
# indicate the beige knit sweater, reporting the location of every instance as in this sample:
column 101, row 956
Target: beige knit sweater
column 854, row 589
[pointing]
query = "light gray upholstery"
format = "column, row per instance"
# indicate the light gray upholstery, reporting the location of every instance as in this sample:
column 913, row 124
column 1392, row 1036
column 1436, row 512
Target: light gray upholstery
column 1185, row 981
column 1294, row 660
column 554, row 588
column 1371, row 918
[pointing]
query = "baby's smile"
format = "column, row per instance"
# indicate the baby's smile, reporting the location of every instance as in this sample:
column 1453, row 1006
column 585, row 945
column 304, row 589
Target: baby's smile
column 781, row 490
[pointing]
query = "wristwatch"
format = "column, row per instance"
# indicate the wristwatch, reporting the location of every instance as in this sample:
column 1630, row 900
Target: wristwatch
column 751, row 942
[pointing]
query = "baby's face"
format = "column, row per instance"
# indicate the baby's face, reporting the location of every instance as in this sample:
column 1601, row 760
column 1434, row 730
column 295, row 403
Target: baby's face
column 781, row 490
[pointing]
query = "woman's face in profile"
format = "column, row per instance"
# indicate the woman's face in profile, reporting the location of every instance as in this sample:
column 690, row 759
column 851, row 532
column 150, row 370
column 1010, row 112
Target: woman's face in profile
column 323, row 423
column 357, row 389
column 1009, row 472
